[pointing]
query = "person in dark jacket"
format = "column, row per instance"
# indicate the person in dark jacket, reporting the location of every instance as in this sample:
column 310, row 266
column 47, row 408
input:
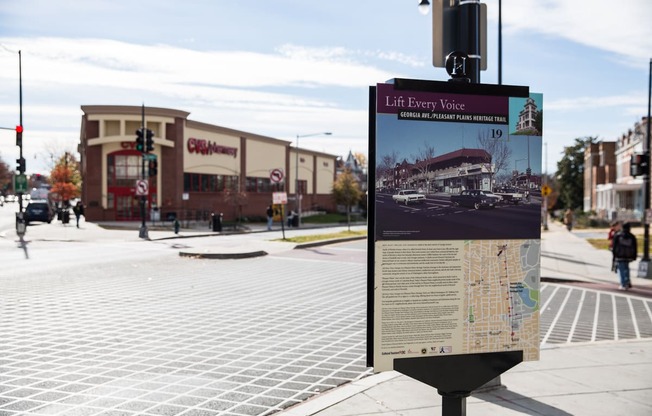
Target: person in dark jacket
column 78, row 209
column 624, row 251
column 270, row 217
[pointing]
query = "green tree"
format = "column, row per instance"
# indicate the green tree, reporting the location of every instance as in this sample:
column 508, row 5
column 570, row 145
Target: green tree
column 346, row 191
column 5, row 177
column 570, row 174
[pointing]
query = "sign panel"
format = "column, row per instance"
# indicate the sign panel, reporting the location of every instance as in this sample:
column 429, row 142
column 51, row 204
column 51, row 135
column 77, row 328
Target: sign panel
column 279, row 198
column 456, row 229
column 276, row 175
column 142, row 187
column 20, row 184
column 546, row 190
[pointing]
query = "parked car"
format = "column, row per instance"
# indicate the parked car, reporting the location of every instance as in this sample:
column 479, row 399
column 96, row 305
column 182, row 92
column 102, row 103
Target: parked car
column 38, row 211
column 490, row 194
column 474, row 198
column 511, row 195
column 408, row 196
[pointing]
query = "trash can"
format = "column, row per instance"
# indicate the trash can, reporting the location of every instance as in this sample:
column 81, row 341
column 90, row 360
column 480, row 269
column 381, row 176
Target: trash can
column 65, row 217
column 216, row 220
column 295, row 220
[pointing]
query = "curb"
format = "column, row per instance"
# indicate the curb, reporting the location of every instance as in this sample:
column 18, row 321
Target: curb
column 226, row 256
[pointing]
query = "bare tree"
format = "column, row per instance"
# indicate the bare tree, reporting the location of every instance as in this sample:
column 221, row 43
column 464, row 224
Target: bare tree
column 423, row 161
column 498, row 150
column 386, row 166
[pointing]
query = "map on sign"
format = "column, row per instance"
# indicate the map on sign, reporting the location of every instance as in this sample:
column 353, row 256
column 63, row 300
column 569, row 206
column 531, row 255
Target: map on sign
column 501, row 285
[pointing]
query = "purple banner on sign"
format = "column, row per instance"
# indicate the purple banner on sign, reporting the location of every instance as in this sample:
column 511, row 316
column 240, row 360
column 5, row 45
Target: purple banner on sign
column 391, row 101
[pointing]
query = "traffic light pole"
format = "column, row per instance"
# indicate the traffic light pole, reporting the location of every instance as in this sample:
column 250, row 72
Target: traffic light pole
column 142, row 233
column 20, row 219
column 20, row 104
column 644, row 265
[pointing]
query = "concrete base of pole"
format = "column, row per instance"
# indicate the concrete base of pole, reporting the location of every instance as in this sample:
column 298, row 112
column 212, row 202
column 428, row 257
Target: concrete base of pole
column 142, row 232
column 644, row 270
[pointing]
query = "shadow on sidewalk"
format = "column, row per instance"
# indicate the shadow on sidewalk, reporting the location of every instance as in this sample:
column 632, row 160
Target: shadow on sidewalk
column 568, row 258
column 519, row 403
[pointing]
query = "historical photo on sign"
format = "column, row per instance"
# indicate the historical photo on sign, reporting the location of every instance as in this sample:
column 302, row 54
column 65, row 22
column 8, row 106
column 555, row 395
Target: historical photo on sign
column 468, row 173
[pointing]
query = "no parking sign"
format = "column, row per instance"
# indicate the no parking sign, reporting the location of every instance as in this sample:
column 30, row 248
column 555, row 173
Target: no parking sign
column 142, row 187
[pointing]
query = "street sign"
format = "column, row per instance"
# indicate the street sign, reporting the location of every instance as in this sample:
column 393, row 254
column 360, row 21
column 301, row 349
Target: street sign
column 276, row 175
column 20, row 184
column 149, row 156
column 279, row 197
column 546, row 190
column 142, row 187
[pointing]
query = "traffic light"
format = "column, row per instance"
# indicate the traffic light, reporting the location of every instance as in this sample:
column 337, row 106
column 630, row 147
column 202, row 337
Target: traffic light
column 638, row 164
column 19, row 136
column 140, row 140
column 153, row 168
column 149, row 136
column 20, row 165
column 528, row 172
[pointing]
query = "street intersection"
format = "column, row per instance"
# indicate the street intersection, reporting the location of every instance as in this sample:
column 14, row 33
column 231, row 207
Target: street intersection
column 123, row 326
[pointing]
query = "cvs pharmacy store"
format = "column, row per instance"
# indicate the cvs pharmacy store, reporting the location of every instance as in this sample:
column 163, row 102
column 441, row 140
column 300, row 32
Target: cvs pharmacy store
column 194, row 170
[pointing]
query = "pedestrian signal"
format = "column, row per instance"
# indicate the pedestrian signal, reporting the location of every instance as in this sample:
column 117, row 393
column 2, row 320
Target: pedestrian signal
column 639, row 164
column 153, row 167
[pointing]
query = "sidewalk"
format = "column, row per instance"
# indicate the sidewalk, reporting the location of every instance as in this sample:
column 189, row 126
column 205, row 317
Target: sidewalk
column 567, row 257
column 602, row 378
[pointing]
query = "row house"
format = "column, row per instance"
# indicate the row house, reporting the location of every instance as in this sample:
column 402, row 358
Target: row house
column 609, row 189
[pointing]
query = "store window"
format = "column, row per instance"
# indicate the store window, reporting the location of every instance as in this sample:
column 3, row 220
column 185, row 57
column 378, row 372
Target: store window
column 123, row 170
column 261, row 185
column 197, row 182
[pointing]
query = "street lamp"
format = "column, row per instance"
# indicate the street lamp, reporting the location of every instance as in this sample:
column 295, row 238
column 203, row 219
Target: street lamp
column 297, row 195
column 424, row 7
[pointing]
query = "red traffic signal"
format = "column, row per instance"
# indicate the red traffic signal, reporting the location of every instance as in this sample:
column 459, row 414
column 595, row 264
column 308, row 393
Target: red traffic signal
column 19, row 136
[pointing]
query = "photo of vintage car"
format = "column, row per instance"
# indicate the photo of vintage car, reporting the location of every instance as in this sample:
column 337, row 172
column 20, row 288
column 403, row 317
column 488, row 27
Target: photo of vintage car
column 474, row 199
column 408, row 196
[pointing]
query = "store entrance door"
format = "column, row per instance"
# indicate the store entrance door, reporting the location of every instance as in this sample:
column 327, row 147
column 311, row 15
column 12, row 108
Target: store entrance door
column 127, row 208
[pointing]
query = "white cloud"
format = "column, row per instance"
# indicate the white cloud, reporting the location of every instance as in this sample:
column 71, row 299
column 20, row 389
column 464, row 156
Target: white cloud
column 621, row 27
column 634, row 100
column 113, row 63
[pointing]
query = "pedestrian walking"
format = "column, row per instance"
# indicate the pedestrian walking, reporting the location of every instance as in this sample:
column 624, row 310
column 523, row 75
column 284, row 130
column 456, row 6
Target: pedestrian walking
column 270, row 217
column 568, row 219
column 624, row 251
column 78, row 209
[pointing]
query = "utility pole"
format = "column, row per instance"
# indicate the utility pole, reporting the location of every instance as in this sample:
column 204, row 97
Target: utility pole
column 20, row 219
column 644, row 269
column 142, row 233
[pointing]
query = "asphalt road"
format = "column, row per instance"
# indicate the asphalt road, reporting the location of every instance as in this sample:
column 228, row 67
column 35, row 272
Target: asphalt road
column 439, row 219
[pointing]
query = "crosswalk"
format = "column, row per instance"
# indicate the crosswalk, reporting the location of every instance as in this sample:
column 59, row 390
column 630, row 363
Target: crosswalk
column 572, row 314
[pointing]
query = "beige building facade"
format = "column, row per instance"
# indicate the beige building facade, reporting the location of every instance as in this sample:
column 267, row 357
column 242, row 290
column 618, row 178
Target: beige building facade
column 194, row 170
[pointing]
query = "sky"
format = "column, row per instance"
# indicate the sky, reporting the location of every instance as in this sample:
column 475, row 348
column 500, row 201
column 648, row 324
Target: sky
column 288, row 68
